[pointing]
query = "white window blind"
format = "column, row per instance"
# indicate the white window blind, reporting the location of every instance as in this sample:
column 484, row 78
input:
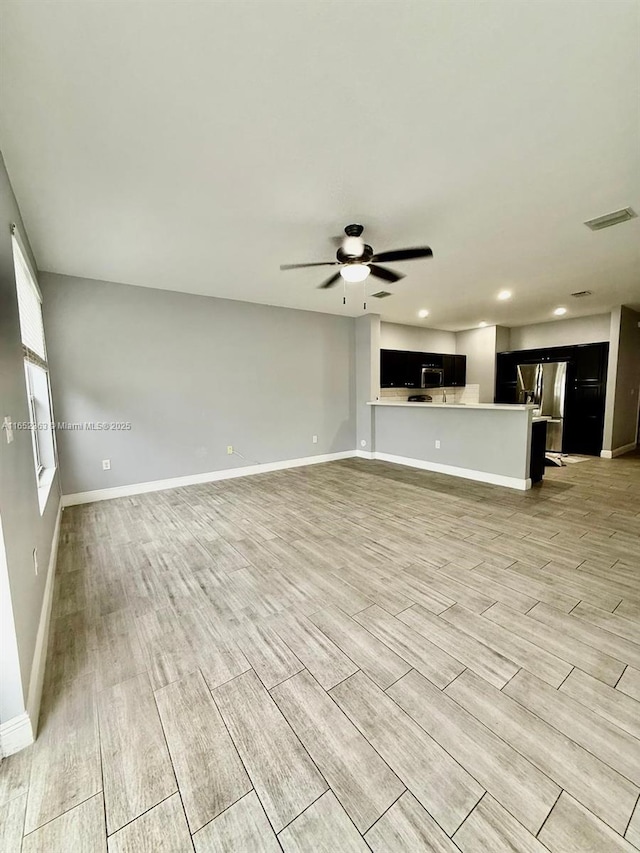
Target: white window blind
column 29, row 305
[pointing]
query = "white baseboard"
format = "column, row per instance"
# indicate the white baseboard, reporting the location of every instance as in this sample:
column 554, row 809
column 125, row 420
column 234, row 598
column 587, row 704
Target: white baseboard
column 16, row 734
column 365, row 454
column 249, row 470
column 193, row 479
column 618, row 451
column 454, row 471
column 42, row 637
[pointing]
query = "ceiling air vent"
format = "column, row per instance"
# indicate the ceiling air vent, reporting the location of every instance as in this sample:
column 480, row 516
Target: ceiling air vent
column 381, row 294
column 579, row 293
column 610, row 219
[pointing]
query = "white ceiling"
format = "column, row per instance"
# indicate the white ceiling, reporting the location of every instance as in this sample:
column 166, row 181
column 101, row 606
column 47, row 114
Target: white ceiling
column 195, row 146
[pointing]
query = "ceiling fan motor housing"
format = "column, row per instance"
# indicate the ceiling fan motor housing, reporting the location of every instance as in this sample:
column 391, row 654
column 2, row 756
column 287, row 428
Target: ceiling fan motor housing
column 363, row 258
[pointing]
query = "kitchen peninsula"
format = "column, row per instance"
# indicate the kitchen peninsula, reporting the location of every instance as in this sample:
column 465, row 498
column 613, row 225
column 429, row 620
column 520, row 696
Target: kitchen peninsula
column 488, row 442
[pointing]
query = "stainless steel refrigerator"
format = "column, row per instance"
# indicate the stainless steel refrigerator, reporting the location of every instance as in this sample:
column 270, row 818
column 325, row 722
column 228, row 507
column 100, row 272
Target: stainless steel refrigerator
column 544, row 384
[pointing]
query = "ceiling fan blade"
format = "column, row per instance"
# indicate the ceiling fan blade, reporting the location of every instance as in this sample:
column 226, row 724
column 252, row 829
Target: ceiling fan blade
column 300, row 266
column 403, row 254
column 387, row 275
column 330, row 281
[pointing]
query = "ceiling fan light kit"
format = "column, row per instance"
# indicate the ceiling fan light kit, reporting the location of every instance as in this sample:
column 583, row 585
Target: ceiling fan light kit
column 355, row 272
column 357, row 260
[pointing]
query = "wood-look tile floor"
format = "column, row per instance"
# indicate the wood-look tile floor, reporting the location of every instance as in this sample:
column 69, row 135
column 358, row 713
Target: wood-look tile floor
column 347, row 657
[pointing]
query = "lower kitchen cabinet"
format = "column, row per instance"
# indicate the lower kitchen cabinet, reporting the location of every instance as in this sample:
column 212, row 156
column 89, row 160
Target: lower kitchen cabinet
column 538, row 450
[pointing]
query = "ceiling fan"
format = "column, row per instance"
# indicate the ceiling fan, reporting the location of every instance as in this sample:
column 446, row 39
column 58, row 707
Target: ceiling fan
column 357, row 260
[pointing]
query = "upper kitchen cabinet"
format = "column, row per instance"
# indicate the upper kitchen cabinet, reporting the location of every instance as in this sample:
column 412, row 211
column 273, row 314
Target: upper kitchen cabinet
column 455, row 370
column 406, row 369
column 591, row 362
column 399, row 369
column 392, row 368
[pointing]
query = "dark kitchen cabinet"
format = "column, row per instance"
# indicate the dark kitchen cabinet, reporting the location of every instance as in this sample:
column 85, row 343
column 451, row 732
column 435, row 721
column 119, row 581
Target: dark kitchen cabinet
column 584, row 419
column 430, row 360
column 403, row 369
column 399, row 369
column 413, row 378
column 591, row 363
column 506, row 392
column 455, row 370
column 538, row 451
column 585, row 390
column 393, row 368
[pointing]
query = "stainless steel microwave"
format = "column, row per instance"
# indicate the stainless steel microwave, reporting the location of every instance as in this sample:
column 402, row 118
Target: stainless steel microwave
column 432, row 377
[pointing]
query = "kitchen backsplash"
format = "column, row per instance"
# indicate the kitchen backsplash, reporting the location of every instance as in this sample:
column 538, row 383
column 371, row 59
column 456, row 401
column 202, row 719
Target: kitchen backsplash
column 465, row 394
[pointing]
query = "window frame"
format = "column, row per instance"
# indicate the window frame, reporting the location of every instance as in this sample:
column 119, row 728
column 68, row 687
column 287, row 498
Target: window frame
column 44, row 473
column 33, row 418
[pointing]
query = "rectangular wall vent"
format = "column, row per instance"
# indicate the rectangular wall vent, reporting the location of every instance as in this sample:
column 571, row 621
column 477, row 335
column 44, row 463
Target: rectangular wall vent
column 610, row 219
column 381, row 294
column 580, row 293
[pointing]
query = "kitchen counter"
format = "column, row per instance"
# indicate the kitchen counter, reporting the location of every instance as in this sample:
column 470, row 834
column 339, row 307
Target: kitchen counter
column 492, row 406
column 489, row 442
column 510, row 407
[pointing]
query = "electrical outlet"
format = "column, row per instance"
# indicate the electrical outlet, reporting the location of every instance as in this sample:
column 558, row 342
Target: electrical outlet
column 106, row 464
column 315, row 439
column 437, row 444
column 35, row 559
column 363, row 442
column 230, row 449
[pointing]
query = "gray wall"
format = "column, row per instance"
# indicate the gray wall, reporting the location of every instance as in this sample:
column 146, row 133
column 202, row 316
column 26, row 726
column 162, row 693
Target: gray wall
column 578, row 330
column 417, row 338
column 367, row 377
column 192, row 374
column 479, row 345
column 488, row 440
column 627, row 380
column 503, row 337
column 24, row 527
column 612, row 374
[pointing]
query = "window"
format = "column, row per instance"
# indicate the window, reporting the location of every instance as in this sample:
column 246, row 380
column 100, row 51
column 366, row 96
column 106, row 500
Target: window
column 36, row 372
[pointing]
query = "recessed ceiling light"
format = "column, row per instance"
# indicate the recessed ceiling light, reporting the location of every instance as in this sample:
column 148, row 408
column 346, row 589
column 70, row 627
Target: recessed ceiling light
column 482, row 325
column 423, row 313
column 504, row 294
column 560, row 311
